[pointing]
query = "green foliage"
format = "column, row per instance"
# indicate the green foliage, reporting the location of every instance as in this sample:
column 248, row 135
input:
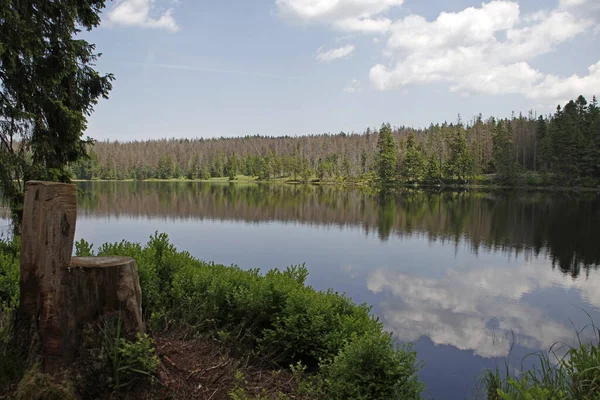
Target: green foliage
column 11, row 365
column 433, row 172
column 507, row 169
column 386, row 156
column 371, row 367
column 128, row 361
column 460, row 164
column 38, row 386
column 522, row 390
column 9, row 276
column 231, row 167
column 274, row 315
column 165, row 167
column 583, row 367
column 573, row 376
column 49, row 87
column 84, row 249
column 413, row 165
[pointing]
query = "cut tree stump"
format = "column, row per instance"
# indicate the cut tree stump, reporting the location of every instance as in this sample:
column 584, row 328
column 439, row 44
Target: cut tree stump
column 60, row 294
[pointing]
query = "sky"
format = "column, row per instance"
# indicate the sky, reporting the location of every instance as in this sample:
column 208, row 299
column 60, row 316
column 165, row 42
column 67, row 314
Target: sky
column 199, row 68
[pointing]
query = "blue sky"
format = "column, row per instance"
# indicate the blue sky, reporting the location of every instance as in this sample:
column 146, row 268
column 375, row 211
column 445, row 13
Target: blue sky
column 191, row 68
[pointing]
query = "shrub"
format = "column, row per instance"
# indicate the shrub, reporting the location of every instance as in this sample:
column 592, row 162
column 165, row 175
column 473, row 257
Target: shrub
column 274, row 316
column 128, row 361
column 315, row 325
column 372, row 367
column 9, row 275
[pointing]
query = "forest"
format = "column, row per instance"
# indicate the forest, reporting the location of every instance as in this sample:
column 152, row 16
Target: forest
column 558, row 149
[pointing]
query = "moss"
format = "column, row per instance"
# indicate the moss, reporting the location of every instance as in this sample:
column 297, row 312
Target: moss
column 38, row 386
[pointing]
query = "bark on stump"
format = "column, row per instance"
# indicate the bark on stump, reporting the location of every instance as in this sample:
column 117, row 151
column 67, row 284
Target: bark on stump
column 61, row 295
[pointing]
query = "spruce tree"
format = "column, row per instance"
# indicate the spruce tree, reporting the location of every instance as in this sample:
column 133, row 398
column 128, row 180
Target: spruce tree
column 386, row 156
column 432, row 170
column 48, row 88
column 460, row 163
column 413, row 164
column 594, row 129
column 507, row 169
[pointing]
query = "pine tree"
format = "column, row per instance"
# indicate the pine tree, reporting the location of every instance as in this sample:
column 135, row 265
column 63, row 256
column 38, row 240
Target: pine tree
column 231, row 167
column 204, row 172
column 48, row 88
column 413, row 165
column 507, row 169
column 346, row 167
column 386, row 156
column 165, row 167
column 565, row 136
column 544, row 144
column 460, row 163
column 432, row 170
column 363, row 161
column 594, row 129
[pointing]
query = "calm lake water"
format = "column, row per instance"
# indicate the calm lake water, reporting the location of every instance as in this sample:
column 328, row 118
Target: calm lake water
column 472, row 278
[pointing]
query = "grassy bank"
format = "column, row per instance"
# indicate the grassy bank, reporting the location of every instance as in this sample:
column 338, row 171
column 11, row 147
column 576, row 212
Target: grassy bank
column 574, row 374
column 312, row 344
column 529, row 181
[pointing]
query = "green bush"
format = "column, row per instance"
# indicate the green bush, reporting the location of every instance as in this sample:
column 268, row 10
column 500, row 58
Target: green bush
column 274, row 316
column 128, row 361
column 9, row 275
column 373, row 367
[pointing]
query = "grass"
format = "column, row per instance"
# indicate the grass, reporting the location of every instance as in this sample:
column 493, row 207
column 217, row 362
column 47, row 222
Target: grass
column 574, row 375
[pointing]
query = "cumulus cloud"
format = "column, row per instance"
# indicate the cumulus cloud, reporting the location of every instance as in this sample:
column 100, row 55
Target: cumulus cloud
column 480, row 309
column 486, row 49
column 138, row 13
column 482, row 50
column 346, row 15
column 334, row 54
column 353, row 86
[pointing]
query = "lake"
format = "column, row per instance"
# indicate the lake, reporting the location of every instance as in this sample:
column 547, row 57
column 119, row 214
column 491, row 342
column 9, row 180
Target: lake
column 474, row 279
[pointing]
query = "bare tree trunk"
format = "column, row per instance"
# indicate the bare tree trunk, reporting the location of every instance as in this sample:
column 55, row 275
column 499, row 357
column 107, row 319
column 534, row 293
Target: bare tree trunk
column 60, row 297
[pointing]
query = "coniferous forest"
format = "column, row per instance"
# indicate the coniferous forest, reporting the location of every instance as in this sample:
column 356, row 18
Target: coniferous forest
column 558, row 149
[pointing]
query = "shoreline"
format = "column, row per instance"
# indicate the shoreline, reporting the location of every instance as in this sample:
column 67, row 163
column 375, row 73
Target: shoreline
column 366, row 184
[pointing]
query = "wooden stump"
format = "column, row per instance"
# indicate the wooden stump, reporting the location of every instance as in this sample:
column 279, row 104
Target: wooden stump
column 61, row 295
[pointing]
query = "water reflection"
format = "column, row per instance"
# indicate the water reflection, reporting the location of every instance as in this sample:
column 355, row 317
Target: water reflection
column 562, row 226
column 483, row 309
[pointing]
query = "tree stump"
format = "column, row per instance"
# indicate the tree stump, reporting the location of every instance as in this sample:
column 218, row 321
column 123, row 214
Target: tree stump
column 61, row 295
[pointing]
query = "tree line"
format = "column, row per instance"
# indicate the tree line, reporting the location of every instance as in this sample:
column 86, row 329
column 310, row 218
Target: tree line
column 563, row 147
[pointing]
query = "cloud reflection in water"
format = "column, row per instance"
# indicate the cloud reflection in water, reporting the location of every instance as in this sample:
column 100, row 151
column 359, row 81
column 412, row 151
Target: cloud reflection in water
column 479, row 309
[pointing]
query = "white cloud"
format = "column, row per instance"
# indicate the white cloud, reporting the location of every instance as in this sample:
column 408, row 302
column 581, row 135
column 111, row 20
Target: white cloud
column 334, row 54
column 586, row 8
column 482, row 50
column 470, row 26
column 480, row 309
column 138, row 13
column 347, row 15
column 561, row 89
column 486, row 49
column 353, row 86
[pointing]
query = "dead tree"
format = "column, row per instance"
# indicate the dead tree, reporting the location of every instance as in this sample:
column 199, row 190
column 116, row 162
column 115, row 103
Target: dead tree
column 61, row 294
